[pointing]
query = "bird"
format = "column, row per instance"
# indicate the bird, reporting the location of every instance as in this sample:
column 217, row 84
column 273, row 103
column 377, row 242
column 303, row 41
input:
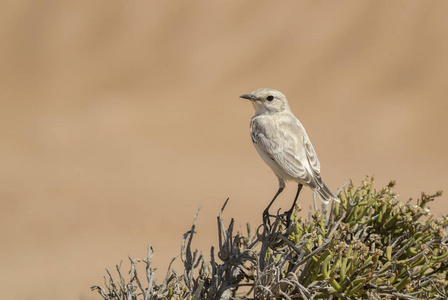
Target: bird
column 283, row 144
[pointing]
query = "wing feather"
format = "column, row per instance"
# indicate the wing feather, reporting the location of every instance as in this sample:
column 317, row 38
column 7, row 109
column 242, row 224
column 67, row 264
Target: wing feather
column 292, row 150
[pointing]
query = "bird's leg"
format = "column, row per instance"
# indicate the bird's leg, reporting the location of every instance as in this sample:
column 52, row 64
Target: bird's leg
column 266, row 211
column 289, row 212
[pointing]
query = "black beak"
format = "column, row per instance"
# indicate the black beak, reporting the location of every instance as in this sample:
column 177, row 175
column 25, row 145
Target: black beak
column 249, row 97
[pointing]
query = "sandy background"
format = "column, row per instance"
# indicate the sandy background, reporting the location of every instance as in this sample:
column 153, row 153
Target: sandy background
column 118, row 119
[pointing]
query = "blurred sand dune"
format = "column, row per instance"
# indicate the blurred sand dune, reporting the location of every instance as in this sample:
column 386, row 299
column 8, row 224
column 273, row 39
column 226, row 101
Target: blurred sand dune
column 119, row 119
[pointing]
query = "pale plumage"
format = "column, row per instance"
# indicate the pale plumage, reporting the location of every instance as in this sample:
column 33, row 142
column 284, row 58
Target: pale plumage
column 283, row 143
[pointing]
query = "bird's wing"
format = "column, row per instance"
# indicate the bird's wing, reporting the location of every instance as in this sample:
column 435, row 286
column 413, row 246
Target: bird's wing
column 318, row 185
column 289, row 146
column 284, row 155
column 283, row 143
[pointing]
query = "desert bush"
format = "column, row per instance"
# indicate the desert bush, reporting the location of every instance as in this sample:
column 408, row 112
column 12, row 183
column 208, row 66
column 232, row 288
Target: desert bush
column 369, row 246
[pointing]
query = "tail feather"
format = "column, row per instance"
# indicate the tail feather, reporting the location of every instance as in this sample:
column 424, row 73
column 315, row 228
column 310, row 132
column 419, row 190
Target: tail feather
column 325, row 194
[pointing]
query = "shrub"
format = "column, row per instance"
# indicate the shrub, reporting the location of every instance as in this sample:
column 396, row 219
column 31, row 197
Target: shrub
column 369, row 246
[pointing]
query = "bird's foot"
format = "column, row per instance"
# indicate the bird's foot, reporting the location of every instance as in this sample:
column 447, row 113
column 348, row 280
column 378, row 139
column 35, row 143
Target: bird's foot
column 266, row 220
column 288, row 217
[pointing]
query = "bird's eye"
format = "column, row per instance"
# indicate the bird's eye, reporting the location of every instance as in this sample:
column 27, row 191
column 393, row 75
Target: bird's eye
column 270, row 98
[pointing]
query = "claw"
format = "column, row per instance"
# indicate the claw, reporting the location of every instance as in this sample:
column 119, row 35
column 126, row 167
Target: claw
column 288, row 217
column 266, row 220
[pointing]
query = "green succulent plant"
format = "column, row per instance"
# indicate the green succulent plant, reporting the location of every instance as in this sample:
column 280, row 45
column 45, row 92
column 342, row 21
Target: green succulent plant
column 368, row 246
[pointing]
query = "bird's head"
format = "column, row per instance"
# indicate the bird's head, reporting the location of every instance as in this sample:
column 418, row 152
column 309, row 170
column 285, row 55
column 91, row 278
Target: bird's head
column 267, row 101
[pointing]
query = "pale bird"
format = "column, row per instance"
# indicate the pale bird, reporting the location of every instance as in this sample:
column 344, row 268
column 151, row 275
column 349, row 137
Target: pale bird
column 283, row 144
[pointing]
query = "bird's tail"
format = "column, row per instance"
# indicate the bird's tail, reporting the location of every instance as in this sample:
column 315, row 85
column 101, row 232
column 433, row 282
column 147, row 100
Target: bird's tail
column 325, row 194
